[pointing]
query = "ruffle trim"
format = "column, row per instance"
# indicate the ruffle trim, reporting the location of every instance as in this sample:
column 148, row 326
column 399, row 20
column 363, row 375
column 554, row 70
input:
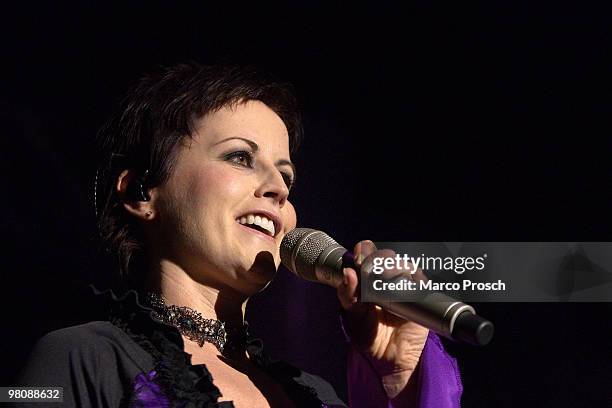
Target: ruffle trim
column 184, row 384
column 191, row 385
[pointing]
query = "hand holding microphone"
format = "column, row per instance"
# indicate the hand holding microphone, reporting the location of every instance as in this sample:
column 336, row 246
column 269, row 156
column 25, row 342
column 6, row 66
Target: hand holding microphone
column 315, row 256
column 392, row 344
column 391, row 335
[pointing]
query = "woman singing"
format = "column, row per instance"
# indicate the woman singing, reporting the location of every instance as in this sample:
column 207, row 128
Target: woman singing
column 193, row 202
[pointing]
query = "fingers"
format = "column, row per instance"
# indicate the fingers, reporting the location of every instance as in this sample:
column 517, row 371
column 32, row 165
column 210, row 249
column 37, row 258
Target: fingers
column 348, row 291
column 374, row 264
column 362, row 250
column 387, row 265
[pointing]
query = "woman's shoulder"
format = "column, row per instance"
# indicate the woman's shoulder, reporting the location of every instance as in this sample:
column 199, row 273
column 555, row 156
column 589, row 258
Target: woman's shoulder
column 89, row 338
column 87, row 353
column 83, row 336
column 96, row 339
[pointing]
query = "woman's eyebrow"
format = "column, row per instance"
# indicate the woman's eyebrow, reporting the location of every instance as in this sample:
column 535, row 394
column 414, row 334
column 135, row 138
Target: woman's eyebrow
column 251, row 143
column 254, row 146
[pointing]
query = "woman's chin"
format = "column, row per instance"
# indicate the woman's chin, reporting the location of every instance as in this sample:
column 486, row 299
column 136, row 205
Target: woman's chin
column 264, row 266
column 261, row 272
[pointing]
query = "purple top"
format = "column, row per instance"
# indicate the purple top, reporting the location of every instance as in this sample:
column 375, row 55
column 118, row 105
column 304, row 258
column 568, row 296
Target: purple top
column 438, row 382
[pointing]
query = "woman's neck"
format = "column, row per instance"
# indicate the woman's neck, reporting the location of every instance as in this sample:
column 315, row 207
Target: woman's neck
column 178, row 288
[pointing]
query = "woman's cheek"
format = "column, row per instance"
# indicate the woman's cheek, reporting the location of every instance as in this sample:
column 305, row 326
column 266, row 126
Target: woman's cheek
column 290, row 217
column 225, row 183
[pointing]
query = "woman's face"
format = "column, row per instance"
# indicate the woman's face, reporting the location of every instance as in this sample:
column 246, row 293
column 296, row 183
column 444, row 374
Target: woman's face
column 233, row 174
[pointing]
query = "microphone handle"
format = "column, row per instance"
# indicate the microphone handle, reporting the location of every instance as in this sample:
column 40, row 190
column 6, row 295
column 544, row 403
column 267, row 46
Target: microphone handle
column 445, row 316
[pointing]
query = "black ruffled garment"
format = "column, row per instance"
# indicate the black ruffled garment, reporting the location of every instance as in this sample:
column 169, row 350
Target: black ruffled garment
column 134, row 360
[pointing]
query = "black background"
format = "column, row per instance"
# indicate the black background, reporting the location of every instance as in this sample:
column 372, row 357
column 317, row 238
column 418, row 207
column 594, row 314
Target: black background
column 487, row 121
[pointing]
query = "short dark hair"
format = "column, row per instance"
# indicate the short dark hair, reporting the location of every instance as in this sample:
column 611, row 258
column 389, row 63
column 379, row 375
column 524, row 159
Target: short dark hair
column 157, row 113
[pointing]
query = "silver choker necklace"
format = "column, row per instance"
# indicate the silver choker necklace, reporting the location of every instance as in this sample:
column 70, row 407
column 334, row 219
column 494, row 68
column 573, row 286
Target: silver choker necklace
column 192, row 325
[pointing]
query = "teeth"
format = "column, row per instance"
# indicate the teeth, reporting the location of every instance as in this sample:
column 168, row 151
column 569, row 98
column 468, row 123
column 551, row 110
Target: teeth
column 259, row 220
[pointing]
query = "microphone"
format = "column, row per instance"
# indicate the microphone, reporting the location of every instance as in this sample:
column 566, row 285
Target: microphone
column 315, row 256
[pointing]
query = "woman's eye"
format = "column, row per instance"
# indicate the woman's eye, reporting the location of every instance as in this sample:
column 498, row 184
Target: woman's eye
column 288, row 180
column 241, row 158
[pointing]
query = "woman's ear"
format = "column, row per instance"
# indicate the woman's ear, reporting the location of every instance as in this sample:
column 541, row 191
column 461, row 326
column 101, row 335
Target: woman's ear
column 137, row 199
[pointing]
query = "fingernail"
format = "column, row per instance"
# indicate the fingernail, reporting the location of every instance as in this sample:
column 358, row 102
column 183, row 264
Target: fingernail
column 358, row 255
column 371, row 245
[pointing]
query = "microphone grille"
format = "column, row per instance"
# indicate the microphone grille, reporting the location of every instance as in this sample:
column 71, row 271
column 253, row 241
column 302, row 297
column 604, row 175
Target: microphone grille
column 310, row 243
column 289, row 242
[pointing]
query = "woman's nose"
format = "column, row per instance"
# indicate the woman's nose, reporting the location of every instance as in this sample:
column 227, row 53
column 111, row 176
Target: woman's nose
column 273, row 186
